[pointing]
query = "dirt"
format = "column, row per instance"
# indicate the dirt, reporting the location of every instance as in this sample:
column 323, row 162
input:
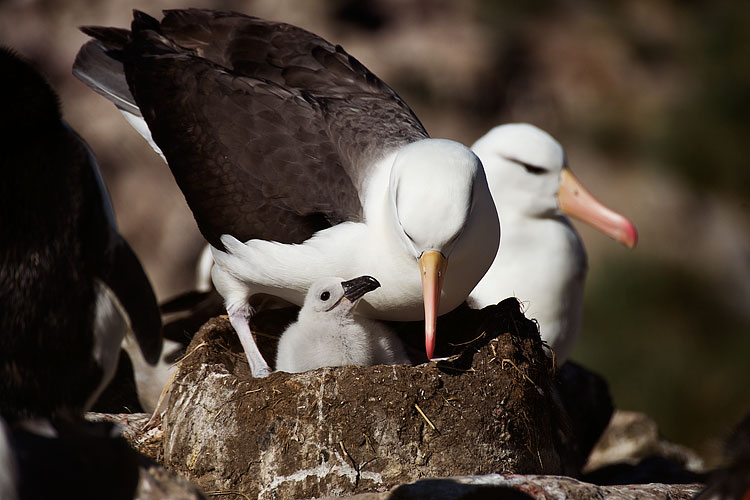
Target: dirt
column 355, row 429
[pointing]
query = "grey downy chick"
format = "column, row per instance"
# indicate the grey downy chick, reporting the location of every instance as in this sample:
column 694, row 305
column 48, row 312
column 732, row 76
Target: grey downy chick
column 328, row 333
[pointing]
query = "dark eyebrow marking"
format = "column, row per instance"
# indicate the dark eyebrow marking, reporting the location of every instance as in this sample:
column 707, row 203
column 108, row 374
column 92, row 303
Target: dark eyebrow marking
column 532, row 169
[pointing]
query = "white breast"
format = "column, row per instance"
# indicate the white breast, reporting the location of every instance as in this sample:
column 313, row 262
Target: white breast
column 542, row 262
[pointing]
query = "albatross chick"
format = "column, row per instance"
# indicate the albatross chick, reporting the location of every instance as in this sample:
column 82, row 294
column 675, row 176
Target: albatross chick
column 329, row 333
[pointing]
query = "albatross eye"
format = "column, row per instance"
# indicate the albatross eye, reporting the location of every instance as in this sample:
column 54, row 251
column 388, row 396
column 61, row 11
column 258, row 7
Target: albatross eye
column 533, row 169
column 325, row 296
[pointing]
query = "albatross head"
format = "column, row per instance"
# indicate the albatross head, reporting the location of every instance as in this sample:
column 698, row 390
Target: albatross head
column 442, row 205
column 528, row 175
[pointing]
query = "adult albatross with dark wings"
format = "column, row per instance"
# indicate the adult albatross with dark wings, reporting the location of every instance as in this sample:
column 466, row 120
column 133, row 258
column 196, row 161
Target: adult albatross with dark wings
column 299, row 163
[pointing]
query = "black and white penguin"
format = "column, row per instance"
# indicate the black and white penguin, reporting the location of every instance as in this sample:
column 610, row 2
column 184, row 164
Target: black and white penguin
column 70, row 286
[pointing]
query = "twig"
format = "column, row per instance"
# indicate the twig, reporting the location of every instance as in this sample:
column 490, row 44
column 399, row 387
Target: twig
column 468, row 341
column 354, row 464
column 267, row 335
column 510, row 362
column 425, row 418
column 162, row 397
column 236, row 398
column 449, row 367
column 179, row 361
column 226, row 492
column 554, row 359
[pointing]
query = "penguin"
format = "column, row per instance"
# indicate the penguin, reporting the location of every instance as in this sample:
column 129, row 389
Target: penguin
column 70, row 285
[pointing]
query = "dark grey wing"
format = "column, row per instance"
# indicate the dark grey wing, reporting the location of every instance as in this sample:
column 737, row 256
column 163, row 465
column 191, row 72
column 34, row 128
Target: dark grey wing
column 276, row 156
column 244, row 166
column 365, row 116
column 250, row 157
column 99, row 66
column 277, row 52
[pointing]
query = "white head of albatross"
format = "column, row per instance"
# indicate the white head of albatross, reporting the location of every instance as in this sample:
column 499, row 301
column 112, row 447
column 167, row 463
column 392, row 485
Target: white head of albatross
column 544, row 186
column 328, row 333
column 443, row 213
column 542, row 260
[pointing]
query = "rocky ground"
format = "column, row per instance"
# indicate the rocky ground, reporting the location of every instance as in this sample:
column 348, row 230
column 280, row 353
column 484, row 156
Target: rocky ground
column 493, row 418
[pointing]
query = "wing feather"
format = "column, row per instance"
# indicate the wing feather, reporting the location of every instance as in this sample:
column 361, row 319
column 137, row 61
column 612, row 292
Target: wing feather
column 269, row 130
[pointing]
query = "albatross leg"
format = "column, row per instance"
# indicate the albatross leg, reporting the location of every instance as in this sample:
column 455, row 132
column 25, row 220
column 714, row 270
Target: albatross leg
column 239, row 316
column 236, row 295
column 242, row 270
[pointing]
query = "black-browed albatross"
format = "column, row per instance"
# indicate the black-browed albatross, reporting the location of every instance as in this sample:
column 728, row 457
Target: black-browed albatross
column 542, row 261
column 299, row 163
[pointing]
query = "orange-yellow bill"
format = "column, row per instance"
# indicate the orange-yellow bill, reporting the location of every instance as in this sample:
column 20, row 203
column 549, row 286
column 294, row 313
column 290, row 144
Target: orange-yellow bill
column 432, row 267
column 575, row 200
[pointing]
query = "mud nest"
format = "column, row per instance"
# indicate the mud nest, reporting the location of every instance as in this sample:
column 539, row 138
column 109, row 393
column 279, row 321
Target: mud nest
column 487, row 409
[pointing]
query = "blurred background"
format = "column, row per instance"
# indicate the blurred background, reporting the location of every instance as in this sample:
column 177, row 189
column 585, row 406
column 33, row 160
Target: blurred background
column 651, row 100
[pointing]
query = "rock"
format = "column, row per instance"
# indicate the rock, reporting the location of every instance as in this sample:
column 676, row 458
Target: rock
column 520, row 487
column 732, row 479
column 90, row 459
column 631, row 450
column 349, row 429
column 144, row 435
column 585, row 397
column 157, row 483
column 72, row 458
column 142, row 431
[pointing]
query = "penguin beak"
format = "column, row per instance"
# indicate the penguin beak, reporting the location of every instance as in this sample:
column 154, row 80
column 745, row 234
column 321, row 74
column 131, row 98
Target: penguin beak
column 355, row 288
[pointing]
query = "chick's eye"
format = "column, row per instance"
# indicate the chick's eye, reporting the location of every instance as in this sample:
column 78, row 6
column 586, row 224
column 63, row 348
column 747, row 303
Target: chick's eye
column 325, row 296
